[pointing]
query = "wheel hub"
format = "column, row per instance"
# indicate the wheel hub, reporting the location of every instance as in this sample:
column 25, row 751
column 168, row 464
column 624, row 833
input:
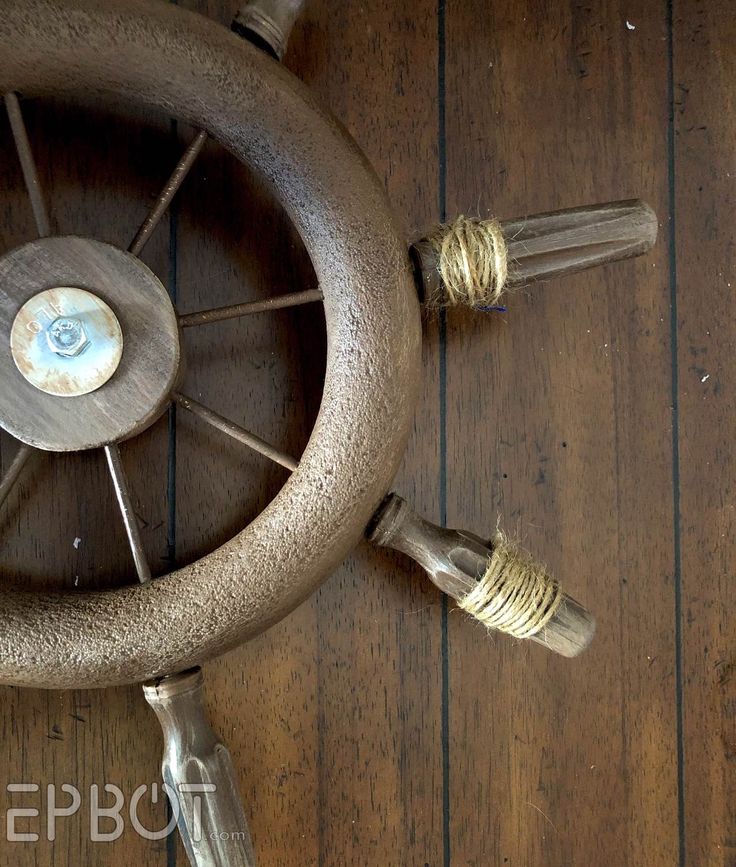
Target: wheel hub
column 92, row 355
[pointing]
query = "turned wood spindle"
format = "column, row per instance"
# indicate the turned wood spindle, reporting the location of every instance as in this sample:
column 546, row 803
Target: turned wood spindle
column 553, row 244
column 456, row 561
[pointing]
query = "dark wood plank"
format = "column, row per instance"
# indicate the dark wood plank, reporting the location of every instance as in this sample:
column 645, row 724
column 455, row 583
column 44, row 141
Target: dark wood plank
column 379, row 647
column 331, row 717
column 705, row 125
column 558, row 420
column 381, row 773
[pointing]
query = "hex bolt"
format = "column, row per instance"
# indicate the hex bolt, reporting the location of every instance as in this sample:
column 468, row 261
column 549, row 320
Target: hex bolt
column 66, row 336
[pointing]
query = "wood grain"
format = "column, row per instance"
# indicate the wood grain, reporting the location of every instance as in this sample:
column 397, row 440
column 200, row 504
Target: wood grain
column 558, row 421
column 704, row 123
column 379, row 705
column 368, row 727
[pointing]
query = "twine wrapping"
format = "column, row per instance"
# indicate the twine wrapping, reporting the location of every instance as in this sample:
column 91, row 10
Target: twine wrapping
column 472, row 262
column 516, row 595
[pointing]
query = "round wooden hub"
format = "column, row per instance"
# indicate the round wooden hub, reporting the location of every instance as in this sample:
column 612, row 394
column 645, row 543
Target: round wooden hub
column 89, row 344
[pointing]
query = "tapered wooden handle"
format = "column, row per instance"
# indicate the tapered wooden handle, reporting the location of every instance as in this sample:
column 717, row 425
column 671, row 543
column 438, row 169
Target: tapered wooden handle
column 199, row 775
column 457, row 561
column 557, row 243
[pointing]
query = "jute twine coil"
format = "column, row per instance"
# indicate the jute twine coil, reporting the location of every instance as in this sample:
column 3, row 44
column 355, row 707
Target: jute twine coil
column 516, row 595
column 472, row 261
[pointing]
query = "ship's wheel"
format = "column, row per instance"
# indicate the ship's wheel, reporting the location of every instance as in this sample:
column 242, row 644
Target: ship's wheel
column 91, row 355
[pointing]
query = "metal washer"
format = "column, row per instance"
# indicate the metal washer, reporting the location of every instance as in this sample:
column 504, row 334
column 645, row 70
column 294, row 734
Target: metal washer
column 94, row 349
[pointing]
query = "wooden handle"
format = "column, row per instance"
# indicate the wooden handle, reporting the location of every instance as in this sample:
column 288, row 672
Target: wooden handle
column 559, row 242
column 199, row 773
column 456, row 560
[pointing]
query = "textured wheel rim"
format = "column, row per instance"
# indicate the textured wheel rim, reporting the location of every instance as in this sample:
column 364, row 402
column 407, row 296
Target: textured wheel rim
column 192, row 68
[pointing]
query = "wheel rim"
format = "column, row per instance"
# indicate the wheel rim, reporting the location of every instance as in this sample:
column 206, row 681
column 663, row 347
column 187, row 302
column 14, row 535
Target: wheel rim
column 193, row 69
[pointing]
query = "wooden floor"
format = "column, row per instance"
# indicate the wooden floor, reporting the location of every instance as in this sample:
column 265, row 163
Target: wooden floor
column 375, row 725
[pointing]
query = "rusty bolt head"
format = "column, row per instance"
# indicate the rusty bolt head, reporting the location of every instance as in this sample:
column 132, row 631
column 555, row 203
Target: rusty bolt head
column 66, row 336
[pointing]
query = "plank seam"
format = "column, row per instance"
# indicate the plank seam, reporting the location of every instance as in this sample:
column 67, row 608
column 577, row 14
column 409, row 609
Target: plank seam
column 442, row 201
column 675, row 384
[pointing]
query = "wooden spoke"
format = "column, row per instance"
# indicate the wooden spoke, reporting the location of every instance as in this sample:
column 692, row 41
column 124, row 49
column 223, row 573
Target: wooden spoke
column 28, row 165
column 14, row 470
column 236, row 432
column 216, row 314
column 120, row 483
column 167, row 194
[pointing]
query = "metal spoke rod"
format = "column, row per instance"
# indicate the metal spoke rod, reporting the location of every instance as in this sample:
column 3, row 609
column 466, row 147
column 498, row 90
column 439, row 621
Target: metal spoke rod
column 14, row 470
column 167, row 194
column 28, row 165
column 279, row 302
column 236, row 432
column 120, row 483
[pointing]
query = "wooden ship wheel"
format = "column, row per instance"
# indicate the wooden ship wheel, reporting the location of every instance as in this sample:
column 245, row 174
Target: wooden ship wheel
column 93, row 347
